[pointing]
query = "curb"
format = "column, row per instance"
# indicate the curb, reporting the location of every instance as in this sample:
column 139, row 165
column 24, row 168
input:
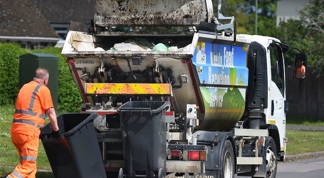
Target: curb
column 305, row 128
column 291, row 158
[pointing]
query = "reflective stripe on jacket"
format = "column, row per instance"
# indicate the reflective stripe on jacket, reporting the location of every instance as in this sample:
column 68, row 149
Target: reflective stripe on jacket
column 32, row 102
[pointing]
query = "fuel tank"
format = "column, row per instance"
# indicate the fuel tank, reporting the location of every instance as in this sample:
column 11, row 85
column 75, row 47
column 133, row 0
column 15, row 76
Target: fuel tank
column 216, row 79
column 221, row 79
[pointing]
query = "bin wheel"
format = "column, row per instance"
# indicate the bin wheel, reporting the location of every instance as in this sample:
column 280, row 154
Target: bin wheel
column 160, row 173
column 120, row 173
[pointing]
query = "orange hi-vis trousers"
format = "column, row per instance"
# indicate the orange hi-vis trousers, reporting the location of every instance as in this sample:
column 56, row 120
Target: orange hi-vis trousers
column 27, row 146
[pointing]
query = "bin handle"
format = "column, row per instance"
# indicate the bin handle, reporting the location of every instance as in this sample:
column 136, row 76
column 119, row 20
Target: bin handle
column 134, row 109
column 166, row 108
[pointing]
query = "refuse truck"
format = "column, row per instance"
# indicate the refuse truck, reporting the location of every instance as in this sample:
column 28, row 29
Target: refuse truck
column 178, row 92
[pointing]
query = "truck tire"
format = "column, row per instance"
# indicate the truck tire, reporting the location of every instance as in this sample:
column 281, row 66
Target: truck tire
column 160, row 173
column 121, row 173
column 227, row 160
column 271, row 157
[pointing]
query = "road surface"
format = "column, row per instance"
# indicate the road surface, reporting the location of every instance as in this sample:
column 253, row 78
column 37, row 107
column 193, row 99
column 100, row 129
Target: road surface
column 312, row 168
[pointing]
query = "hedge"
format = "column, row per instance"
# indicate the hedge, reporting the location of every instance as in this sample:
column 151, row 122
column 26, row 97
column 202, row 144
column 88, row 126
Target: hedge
column 9, row 64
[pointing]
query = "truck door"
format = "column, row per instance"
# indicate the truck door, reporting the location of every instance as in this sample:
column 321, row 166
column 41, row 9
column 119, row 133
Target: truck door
column 277, row 95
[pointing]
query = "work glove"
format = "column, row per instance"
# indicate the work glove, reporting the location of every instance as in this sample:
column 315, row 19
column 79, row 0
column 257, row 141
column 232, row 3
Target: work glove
column 55, row 134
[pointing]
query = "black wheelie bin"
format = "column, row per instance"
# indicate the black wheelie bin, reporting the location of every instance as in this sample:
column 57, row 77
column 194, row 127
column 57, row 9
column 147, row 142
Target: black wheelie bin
column 144, row 141
column 75, row 152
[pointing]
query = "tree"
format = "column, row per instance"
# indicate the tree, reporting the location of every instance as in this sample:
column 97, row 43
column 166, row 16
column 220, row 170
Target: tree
column 229, row 8
column 244, row 13
column 312, row 17
column 295, row 34
column 305, row 33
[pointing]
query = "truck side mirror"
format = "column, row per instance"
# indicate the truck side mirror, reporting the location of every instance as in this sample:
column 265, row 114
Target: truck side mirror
column 300, row 65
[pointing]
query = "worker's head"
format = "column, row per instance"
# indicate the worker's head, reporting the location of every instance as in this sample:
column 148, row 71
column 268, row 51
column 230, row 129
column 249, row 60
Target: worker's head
column 300, row 59
column 299, row 62
column 41, row 76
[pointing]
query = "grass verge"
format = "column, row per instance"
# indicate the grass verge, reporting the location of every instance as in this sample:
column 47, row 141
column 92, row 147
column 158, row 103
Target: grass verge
column 300, row 142
column 8, row 153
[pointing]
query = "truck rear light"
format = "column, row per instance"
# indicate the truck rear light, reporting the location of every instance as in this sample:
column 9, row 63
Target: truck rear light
column 203, row 155
column 169, row 113
column 175, row 154
column 193, row 155
column 70, row 60
column 197, row 155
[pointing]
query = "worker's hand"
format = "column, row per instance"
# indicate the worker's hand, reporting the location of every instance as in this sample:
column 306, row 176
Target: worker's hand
column 55, row 134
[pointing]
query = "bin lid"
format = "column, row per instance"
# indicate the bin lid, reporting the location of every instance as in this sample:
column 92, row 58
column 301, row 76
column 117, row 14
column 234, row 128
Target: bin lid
column 89, row 118
column 37, row 55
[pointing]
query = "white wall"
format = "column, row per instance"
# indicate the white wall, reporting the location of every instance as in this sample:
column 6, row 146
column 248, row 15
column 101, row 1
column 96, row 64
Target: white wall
column 287, row 9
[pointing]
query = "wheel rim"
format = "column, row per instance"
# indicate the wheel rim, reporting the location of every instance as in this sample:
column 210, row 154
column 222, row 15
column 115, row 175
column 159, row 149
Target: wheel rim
column 160, row 173
column 120, row 173
column 271, row 162
column 228, row 166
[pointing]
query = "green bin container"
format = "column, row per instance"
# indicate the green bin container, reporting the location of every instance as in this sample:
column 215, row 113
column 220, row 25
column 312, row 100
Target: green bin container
column 76, row 153
column 28, row 63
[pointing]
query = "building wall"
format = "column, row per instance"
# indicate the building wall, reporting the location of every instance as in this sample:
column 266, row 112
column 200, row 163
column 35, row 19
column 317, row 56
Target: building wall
column 289, row 9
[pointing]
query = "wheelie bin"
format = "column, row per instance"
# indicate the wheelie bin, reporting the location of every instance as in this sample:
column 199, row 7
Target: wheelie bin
column 75, row 152
column 144, row 141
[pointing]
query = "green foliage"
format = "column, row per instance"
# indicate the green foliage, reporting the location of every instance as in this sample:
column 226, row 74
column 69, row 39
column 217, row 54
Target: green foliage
column 296, row 138
column 296, row 35
column 312, row 14
column 305, row 34
column 319, row 66
column 9, row 64
column 246, row 20
column 8, row 154
column 69, row 99
column 267, row 26
column 229, row 9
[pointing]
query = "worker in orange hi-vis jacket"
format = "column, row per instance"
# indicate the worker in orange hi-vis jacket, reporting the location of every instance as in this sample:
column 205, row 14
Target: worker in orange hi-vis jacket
column 300, row 70
column 34, row 101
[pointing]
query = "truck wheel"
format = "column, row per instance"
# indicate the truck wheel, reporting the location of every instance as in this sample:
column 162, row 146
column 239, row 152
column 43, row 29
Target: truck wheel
column 160, row 173
column 227, row 161
column 271, row 157
column 121, row 173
